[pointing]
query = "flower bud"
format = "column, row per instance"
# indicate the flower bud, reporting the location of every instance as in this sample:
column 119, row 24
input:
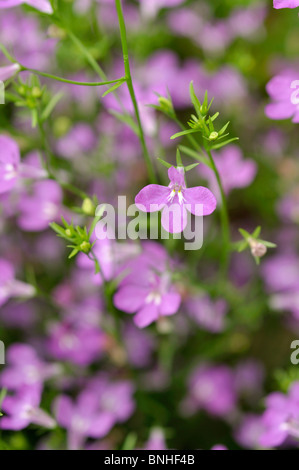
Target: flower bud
column 213, row 136
column 88, row 207
column 85, row 247
column 258, row 249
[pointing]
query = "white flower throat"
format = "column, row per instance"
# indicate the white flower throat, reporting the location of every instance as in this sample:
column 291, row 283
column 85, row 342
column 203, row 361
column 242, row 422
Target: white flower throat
column 177, row 189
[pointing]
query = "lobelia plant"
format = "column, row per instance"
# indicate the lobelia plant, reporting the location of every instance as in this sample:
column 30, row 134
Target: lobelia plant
column 86, row 374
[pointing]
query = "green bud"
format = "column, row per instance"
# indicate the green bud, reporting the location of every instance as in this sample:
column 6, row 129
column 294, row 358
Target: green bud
column 88, row 207
column 85, row 247
column 36, row 92
column 68, row 232
column 213, row 136
column 22, row 90
column 166, row 104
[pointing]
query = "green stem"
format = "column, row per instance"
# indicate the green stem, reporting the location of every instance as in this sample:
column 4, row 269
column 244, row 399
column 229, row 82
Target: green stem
column 129, row 81
column 224, row 218
column 72, row 82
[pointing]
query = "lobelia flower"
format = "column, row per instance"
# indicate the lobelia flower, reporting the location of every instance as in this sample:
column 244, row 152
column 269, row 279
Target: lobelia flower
column 150, row 8
column 211, row 388
column 178, row 199
column 23, row 409
column 147, row 289
column 24, row 367
column 249, row 431
column 281, row 418
column 235, row 172
column 8, row 71
column 42, row 5
column 82, row 419
column 281, row 92
column 285, row 4
column 209, row 314
column 40, row 207
column 156, row 440
column 9, row 286
column 11, row 167
column 78, row 344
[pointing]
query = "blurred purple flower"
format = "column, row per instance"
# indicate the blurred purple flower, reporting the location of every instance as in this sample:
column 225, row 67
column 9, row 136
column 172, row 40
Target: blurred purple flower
column 23, row 409
column 156, row 440
column 9, row 286
column 235, row 172
column 281, row 418
column 249, row 431
column 280, row 91
column 78, row 344
column 178, row 199
column 211, row 388
column 40, row 207
column 11, row 167
column 43, row 5
column 286, row 3
column 147, row 289
column 207, row 313
column 24, row 367
column 82, row 419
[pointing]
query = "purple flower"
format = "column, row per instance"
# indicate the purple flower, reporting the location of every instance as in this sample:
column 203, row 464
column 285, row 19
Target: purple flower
column 11, row 167
column 235, row 172
column 9, row 286
column 249, row 431
column 156, row 440
column 211, row 388
column 82, row 419
column 209, row 314
column 24, row 367
column 40, row 207
column 77, row 344
column 281, row 92
column 281, row 418
column 42, row 5
column 23, row 409
column 151, row 7
column 178, row 199
column 8, row 71
column 147, row 289
column 285, row 3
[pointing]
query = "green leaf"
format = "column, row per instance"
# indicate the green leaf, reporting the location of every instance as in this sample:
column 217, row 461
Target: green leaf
column 223, row 144
column 257, row 232
column 244, row 233
column 51, row 106
column 168, row 165
column 113, row 88
column 73, row 253
column 197, row 156
column 186, row 132
column 195, row 100
column 221, row 132
column 190, row 167
column 178, row 158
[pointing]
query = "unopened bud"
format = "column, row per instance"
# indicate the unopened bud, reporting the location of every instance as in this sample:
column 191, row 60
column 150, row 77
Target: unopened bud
column 56, row 32
column 258, row 249
column 68, row 232
column 166, row 104
column 88, row 207
column 85, row 247
column 213, row 135
column 36, row 92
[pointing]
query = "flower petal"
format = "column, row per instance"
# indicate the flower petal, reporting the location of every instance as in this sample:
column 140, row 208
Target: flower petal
column 146, row 315
column 152, row 198
column 200, row 201
column 174, row 218
column 130, row 298
column 170, row 303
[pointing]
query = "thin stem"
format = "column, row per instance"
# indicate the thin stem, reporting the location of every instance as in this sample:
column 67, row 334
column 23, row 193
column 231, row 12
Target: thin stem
column 72, row 82
column 129, row 81
column 224, row 217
